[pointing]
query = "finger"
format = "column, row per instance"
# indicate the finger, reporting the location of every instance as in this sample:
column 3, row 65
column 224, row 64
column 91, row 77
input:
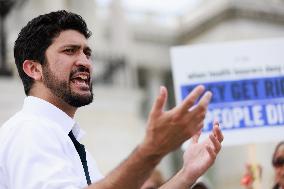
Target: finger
column 216, row 122
column 195, row 137
column 192, row 97
column 206, row 98
column 217, row 131
column 215, row 142
column 211, row 152
column 203, row 102
column 160, row 101
column 198, row 113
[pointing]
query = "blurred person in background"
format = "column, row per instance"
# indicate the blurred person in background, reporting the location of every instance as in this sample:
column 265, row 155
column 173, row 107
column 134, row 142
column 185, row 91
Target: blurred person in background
column 40, row 144
column 199, row 185
column 202, row 183
column 278, row 164
column 254, row 172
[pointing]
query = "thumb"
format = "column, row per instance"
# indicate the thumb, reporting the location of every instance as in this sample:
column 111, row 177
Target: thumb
column 195, row 137
column 160, row 101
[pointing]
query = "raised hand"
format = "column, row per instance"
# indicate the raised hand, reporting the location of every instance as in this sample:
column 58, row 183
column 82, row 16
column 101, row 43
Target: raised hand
column 198, row 157
column 167, row 130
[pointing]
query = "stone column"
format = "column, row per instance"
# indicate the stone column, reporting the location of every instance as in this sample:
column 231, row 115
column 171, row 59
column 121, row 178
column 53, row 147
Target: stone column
column 5, row 7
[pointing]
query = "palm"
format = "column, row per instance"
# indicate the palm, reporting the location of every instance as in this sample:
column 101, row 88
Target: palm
column 167, row 130
column 197, row 158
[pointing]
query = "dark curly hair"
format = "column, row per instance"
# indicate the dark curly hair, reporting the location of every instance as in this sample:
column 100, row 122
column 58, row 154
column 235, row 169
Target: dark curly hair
column 37, row 36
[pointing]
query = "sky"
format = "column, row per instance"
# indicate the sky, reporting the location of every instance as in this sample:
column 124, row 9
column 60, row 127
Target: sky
column 165, row 7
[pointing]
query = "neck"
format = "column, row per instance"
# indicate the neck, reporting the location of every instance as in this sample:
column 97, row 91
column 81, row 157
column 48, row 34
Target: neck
column 56, row 101
column 68, row 109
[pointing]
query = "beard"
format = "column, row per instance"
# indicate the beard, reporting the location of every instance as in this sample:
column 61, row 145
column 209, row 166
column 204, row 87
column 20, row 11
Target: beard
column 62, row 89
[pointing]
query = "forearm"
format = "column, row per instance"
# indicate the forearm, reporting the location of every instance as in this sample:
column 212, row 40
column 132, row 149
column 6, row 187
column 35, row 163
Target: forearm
column 131, row 173
column 179, row 181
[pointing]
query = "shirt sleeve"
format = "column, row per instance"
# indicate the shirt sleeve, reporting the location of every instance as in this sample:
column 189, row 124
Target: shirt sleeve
column 35, row 160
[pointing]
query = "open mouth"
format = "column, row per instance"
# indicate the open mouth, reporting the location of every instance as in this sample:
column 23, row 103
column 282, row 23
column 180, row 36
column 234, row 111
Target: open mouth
column 81, row 80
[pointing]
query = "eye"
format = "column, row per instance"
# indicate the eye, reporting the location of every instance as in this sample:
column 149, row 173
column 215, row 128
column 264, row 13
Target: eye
column 88, row 53
column 69, row 51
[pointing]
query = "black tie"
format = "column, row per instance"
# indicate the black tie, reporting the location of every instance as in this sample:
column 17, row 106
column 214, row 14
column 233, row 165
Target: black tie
column 82, row 153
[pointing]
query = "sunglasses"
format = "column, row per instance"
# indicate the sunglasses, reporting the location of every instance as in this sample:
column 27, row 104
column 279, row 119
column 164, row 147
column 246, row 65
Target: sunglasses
column 278, row 162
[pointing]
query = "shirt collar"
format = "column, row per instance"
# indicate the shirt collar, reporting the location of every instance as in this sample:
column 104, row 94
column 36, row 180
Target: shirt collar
column 42, row 108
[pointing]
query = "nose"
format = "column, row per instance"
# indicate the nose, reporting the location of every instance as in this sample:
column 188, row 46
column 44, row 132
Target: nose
column 84, row 60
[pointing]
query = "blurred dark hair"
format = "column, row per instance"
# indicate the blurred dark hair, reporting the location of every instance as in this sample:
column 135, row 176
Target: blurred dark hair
column 37, row 36
column 200, row 185
column 275, row 151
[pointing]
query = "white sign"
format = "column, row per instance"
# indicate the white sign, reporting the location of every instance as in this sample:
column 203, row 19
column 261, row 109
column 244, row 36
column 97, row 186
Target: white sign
column 247, row 82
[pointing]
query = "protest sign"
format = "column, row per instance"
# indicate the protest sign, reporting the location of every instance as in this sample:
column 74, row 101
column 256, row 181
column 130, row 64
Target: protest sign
column 246, row 79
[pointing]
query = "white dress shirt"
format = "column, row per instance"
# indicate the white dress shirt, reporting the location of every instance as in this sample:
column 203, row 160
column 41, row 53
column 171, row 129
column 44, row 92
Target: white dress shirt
column 37, row 153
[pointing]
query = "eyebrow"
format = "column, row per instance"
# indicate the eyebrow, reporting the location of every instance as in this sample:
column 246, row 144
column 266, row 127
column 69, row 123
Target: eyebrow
column 77, row 47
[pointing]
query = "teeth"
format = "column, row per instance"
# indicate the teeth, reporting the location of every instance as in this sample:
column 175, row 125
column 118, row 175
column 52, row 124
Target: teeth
column 84, row 77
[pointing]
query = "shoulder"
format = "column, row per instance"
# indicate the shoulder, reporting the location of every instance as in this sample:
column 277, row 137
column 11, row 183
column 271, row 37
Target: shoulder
column 22, row 124
column 26, row 139
column 27, row 131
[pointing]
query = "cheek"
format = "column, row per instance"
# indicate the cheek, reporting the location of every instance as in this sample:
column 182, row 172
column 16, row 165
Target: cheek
column 62, row 70
column 279, row 172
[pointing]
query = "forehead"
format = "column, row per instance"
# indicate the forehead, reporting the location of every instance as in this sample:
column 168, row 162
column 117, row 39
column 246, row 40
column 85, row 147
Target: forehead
column 280, row 151
column 70, row 37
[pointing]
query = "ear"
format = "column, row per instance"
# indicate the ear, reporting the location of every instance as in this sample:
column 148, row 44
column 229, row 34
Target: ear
column 33, row 69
